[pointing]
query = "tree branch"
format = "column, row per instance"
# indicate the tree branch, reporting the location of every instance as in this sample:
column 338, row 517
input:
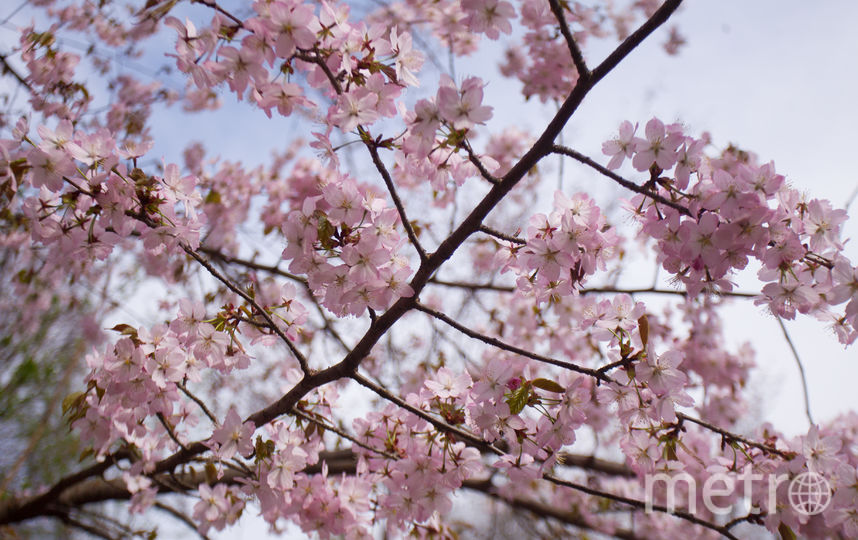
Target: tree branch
column 800, row 369
column 501, row 236
column 391, row 189
column 439, row 424
column 6, row 68
column 472, row 157
column 302, row 361
column 730, row 437
column 270, row 268
column 619, row 179
column 544, row 510
column 348, row 366
column 596, row 290
column 574, row 50
column 511, row 348
column 640, row 504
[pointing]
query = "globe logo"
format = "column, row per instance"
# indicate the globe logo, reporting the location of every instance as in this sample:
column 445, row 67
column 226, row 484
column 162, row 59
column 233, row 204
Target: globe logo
column 809, row 493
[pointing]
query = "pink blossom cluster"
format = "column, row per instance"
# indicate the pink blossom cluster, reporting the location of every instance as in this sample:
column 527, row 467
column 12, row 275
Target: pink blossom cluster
column 341, row 221
column 413, row 489
column 434, row 147
column 737, row 210
column 364, row 67
column 562, row 248
column 559, row 363
column 317, row 502
column 137, row 379
column 81, row 202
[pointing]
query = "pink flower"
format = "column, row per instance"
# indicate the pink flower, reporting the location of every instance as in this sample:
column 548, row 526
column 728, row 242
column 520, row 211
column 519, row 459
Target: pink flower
column 284, row 464
column 621, row 147
column 463, row 107
column 821, row 452
column 490, row 17
column 292, row 26
column 661, row 374
column 407, row 60
column 354, row 108
column 447, row 384
column 659, row 147
column 233, row 437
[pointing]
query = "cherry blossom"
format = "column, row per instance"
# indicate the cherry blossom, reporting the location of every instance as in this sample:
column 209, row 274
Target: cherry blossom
column 404, row 314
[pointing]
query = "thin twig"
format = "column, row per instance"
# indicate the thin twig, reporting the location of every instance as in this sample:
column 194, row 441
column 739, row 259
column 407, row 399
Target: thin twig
column 733, row 437
column 653, row 290
column 199, row 402
column 439, row 424
column 475, row 160
column 354, row 440
column 275, row 270
column 302, row 360
column 619, row 179
column 501, row 236
column 270, row 268
column 170, row 431
column 640, row 504
column 511, row 348
column 391, row 189
column 72, row 522
column 6, row 67
column 543, row 510
column 800, row 369
column 181, row 517
column 214, row 5
column 574, row 49
column 596, row 290
column 372, row 146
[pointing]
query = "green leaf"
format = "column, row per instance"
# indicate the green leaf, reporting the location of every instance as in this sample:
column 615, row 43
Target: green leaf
column 549, row 385
column 26, row 371
column 786, row 533
column 518, row 398
column 71, row 400
column 213, row 197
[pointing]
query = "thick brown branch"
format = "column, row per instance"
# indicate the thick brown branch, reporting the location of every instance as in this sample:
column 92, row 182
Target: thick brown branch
column 99, row 489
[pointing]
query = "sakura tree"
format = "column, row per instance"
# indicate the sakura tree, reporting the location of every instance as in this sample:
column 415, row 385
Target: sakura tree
column 391, row 313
